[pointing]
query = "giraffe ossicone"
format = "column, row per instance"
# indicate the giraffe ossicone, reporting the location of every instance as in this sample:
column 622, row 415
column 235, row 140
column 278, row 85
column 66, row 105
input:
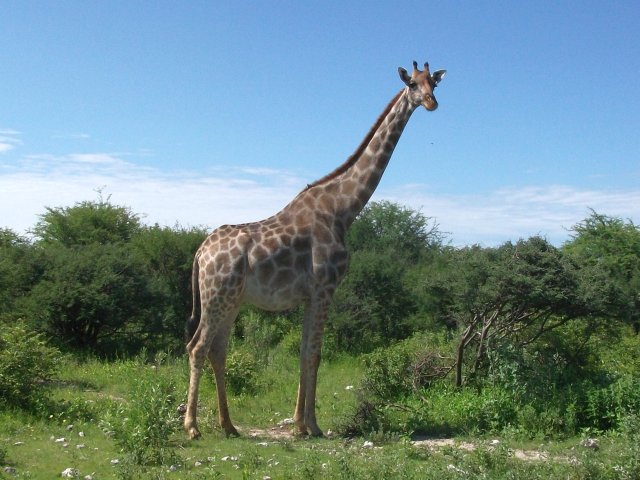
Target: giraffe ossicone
column 295, row 257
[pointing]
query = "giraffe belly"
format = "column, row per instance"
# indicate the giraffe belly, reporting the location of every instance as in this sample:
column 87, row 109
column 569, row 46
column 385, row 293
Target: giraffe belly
column 274, row 299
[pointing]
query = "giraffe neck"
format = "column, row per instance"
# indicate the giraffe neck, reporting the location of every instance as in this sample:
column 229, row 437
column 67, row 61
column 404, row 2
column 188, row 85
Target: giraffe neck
column 339, row 196
column 360, row 180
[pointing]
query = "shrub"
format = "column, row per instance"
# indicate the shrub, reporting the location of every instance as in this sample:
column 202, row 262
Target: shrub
column 241, row 372
column 26, row 364
column 366, row 418
column 406, row 367
column 607, row 407
column 143, row 426
column 387, row 371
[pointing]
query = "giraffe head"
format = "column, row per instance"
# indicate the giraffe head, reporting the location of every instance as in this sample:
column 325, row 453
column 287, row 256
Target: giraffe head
column 421, row 85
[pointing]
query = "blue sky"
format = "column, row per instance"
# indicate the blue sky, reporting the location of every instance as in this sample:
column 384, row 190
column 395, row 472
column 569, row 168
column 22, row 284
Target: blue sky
column 202, row 113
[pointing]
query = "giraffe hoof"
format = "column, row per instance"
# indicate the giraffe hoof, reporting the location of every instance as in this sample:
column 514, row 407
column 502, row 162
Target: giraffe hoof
column 194, row 433
column 231, row 432
column 300, row 427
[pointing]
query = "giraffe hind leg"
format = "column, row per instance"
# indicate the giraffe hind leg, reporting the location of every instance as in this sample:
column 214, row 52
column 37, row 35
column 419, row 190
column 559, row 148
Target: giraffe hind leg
column 217, row 357
column 197, row 349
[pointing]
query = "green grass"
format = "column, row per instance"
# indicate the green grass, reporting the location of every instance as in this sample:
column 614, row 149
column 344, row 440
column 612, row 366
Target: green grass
column 90, row 391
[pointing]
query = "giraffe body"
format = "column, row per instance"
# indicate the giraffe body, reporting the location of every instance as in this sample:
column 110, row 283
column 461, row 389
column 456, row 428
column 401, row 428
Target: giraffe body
column 295, row 257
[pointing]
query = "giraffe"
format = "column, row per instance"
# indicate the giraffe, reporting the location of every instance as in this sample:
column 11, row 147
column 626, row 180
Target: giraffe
column 295, row 257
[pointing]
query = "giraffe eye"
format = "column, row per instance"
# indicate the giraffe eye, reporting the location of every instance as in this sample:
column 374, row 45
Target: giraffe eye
column 412, row 85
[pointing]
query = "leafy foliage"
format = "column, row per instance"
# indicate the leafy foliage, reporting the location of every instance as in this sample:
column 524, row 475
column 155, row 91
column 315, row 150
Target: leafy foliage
column 26, row 364
column 608, row 250
column 386, row 226
column 514, row 293
column 241, row 372
column 543, row 340
column 142, row 428
column 167, row 255
column 375, row 305
column 18, row 269
column 88, row 295
column 87, row 223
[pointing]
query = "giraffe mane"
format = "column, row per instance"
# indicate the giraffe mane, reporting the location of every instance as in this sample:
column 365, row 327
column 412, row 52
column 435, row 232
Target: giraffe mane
column 355, row 155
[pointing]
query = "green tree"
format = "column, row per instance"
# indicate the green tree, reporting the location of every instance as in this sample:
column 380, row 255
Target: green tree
column 608, row 251
column 386, row 226
column 374, row 306
column 93, row 297
column 94, row 291
column 18, row 269
column 168, row 254
column 512, row 294
column 86, row 223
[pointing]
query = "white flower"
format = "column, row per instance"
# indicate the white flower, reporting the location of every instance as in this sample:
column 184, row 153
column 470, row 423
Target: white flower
column 453, row 468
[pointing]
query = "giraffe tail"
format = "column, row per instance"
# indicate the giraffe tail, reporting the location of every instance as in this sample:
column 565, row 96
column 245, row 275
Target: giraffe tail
column 193, row 321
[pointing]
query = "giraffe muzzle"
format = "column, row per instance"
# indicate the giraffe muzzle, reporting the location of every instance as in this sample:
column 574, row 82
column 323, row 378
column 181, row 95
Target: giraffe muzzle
column 430, row 103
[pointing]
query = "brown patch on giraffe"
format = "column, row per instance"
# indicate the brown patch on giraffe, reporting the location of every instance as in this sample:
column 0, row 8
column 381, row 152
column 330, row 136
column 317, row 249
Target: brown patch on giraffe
column 259, row 252
column 302, row 262
column 284, row 277
column 210, row 270
column 222, row 258
column 347, row 189
column 323, row 234
column 271, row 243
column 283, row 257
column 327, row 203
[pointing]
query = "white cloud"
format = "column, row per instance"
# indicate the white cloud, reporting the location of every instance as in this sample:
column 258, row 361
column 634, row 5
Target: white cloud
column 187, row 198
column 242, row 194
column 513, row 213
column 8, row 140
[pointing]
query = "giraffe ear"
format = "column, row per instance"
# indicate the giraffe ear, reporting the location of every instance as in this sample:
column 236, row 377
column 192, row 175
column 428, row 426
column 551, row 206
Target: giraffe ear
column 438, row 76
column 404, row 76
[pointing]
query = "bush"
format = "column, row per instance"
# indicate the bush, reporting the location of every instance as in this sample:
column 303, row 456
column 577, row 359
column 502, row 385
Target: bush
column 387, row 372
column 26, row 365
column 143, row 426
column 406, row 367
column 260, row 331
column 91, row 295
column 607, row 407
column 241, row 372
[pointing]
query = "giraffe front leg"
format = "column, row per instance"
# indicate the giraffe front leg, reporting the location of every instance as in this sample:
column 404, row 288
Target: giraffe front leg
column 310, row 395
column 298, row 415
column 310, row 349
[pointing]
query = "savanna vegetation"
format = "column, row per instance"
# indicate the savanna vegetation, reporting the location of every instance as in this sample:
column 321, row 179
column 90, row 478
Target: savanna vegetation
column 525, row 346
